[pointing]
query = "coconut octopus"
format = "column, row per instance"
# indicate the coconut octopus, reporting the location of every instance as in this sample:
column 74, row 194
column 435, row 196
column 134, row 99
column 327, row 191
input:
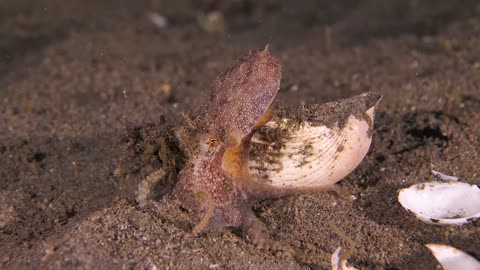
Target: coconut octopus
column 240, row 150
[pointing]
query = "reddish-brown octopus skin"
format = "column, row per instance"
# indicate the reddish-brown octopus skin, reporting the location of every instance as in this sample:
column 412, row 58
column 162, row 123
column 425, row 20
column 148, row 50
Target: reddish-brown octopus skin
column 217, row 142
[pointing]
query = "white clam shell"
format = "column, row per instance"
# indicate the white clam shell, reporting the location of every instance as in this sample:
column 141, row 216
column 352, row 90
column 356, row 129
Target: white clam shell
column 442, row 203
column 453, row 259
column 340, row 265
column 314, row 152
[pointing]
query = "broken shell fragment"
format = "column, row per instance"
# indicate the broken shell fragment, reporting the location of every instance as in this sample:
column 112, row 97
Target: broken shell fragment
column 315, row 145
column 337, row 263
column 452, row 259
column 444, row 176
column 442, row 203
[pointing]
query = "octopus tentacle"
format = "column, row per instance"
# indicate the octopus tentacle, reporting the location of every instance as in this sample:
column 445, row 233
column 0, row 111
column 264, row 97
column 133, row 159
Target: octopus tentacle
column 201, row 195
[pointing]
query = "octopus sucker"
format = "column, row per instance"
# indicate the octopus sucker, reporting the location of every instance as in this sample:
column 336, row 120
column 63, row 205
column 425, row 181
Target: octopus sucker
column 241, row 150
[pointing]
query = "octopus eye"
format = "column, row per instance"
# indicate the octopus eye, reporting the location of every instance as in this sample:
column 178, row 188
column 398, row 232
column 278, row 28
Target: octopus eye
column 213, row 142
column 209, row 145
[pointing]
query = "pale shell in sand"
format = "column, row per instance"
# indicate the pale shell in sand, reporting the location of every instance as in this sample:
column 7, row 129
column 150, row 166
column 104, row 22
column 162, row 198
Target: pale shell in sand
column 442, row 203
column 338, row 263
column 453, row 259
column 315, row 145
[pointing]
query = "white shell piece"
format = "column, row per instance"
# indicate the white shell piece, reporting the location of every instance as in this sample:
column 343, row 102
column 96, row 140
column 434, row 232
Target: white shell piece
column 159, row 20
column 442, row 203
column 453, row 259
column 314, row 155
column 444, row 176
column 340, row 265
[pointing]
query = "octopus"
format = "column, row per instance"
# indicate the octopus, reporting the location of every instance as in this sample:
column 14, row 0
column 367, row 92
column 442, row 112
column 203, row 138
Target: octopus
column 220, row 181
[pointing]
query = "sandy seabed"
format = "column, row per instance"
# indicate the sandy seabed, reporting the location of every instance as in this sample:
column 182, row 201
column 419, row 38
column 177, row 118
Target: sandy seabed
column 79, row 80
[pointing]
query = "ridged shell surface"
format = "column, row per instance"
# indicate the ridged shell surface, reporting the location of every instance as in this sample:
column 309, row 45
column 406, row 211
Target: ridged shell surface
column 313, row 146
